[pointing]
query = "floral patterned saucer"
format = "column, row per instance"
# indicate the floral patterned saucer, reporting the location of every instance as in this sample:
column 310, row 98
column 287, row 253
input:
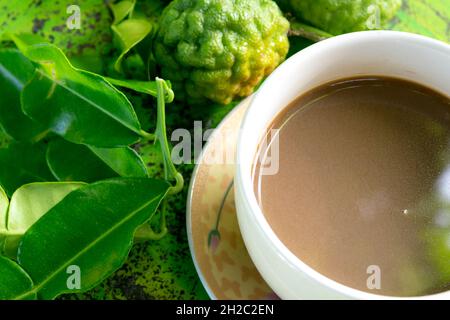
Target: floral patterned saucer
column 216, row 244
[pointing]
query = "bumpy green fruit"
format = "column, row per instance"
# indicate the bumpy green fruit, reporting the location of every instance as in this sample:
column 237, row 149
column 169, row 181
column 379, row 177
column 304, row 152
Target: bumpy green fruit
column 220, row 49
column 341, row 16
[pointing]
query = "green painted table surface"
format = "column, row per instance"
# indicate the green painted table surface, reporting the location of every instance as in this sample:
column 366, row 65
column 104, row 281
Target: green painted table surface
column 164, row 269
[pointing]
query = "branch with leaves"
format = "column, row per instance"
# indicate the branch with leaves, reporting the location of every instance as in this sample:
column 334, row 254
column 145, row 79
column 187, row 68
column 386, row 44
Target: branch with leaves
column 74, row 192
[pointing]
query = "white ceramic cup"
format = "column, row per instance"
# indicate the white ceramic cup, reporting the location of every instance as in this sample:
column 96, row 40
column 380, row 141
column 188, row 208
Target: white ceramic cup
column 383, row 53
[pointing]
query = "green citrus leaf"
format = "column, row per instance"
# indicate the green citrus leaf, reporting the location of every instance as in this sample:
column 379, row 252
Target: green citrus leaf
column 14, row 281
column 117, row 206
column 15, row 72
column 4, row 204
column 124, row 161
column 129, row 33
column 22, row 163
column 122, row 9
column 63, row 159
column 147, row 87
column 28, row 204
column 80, row 106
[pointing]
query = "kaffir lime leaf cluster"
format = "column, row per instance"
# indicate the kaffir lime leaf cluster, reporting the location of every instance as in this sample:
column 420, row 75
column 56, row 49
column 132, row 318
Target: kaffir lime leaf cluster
column 341, row 16
column 220, row 49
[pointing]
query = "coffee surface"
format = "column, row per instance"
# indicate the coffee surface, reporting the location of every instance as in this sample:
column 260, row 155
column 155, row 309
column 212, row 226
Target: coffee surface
column 362, row 193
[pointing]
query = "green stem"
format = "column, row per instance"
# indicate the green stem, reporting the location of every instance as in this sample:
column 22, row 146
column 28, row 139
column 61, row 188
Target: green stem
column 308, row 32
column 164, row 93
column 147, row 136
column 170, row 172
column 146, row 232
column 179, row 183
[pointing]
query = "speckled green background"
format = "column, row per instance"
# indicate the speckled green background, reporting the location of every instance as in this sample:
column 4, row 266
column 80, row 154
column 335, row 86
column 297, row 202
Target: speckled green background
column 164, row 269
column 428, row 17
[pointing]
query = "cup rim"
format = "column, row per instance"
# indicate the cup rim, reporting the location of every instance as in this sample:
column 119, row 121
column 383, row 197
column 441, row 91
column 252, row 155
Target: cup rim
column 243, row 172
